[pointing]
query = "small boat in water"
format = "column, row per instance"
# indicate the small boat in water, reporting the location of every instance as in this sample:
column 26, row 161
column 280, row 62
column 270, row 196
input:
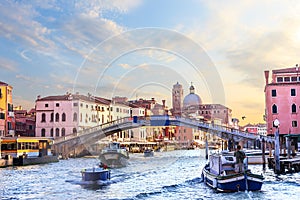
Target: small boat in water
column 95, row 174
column 113, row 156
column 148, row 153
column 220, row 174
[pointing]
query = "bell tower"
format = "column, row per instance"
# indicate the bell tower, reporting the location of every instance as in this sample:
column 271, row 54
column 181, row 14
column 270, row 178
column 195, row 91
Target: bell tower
column 177, row 99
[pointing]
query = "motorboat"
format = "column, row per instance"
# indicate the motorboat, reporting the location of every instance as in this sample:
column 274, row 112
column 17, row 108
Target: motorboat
column 95, row 174
column 220, row 174
column 148, row 153
column 113, row 156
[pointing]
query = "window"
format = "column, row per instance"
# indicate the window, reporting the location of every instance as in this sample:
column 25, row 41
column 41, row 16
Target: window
column 294, row 124
column 56, row 117
column 57, row 132
column 43, row 132
column 287, row 79
column 63, row 117
column 75, row 104
column 74, row 130
column 57, row 104
column 43, row 117
column 51, row 132
column 274, row 93
column 279, row 79
column 294, row 79
column 75, row 117
column 52, row 117
column 46, row 105
column 293, row 92
column 63, row 132
column 294, row 108
column 10, row 107
column 274, row 109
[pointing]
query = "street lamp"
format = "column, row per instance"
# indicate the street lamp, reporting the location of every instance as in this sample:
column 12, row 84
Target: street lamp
column 276, row 124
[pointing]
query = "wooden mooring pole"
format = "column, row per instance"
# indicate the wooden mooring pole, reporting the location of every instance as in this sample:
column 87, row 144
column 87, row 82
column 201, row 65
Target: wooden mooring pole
column 277, row 147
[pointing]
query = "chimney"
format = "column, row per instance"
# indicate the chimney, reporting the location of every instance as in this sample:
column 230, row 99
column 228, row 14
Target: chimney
column 267, row 76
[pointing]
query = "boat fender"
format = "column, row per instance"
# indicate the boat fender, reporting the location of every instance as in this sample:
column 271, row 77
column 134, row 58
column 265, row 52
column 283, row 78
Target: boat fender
column 215, row 182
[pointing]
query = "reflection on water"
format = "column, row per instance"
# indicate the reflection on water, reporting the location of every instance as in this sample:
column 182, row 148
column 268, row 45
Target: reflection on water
column 167, row 175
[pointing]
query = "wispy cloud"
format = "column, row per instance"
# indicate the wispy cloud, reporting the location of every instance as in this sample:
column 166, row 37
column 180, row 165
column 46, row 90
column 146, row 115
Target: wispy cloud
column 8, row 65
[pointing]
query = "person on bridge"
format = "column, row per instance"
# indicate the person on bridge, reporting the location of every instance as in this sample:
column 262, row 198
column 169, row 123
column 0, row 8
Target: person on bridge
column 240, row 156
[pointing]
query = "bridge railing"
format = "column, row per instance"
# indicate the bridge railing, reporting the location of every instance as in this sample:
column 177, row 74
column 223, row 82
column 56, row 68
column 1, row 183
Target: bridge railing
column 101, row 127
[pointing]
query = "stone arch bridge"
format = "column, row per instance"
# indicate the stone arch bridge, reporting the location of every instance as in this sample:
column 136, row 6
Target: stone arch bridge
column 78, row 142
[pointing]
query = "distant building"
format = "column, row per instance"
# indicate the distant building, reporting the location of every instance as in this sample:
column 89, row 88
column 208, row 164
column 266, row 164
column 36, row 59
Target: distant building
column 25, row 122
column 7, row 120
column 282, row 96
column 256, row 129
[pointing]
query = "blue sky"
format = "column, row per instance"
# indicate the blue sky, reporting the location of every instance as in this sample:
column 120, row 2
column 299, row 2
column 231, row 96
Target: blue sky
column 140, row 49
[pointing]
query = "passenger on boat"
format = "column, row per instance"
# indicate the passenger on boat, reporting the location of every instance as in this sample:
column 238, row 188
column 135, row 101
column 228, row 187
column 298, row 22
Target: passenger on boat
column 102, row 165
column 239, row 155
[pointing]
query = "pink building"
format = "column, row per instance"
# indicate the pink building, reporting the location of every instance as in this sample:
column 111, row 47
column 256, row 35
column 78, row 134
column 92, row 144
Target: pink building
column 63, row 115
column 282, row 100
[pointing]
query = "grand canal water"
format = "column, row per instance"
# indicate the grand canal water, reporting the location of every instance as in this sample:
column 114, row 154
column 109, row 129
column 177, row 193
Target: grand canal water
column 167, row 175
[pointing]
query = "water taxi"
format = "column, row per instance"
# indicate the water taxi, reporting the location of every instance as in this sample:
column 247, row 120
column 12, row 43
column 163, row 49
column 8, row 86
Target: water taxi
column 220, row 174
column 95, row 174
column 114, row 156
column 28, row 150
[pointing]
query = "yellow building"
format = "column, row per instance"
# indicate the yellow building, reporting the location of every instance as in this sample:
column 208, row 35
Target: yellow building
column 7, row 121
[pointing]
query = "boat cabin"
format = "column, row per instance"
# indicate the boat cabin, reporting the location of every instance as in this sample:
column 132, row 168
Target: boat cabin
column 222, row 164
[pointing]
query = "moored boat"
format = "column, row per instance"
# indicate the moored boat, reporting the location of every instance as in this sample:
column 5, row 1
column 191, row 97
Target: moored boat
column 220, row 174
column 113, row 156
column 27, row 150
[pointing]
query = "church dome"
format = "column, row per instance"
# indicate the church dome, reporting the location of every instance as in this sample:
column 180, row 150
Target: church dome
column 192, row 99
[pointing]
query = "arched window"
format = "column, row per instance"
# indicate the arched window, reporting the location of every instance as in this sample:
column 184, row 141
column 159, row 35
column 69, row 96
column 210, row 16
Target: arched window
column 63, row 117
column 51, row 132
column 43, row 132
column 74, row 130
column 294, row 108
column 52, row 117
column 63, row 132
column 274, row 109
column 56, row 117
column 75, row 117
column 57, row 132
column 43, row 117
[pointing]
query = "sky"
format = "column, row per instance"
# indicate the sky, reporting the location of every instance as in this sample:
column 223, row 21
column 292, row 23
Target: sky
column 141, row 48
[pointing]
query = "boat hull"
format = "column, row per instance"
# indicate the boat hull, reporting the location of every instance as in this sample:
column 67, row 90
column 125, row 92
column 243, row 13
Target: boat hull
column 95, row 174
column 233, row 183
column 148, row 153
column 114, row 159
column 22, row 160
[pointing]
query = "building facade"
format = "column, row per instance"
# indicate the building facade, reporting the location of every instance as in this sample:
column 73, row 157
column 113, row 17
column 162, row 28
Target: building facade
column 25, row 122
column 282, row 100
column 63, row 115
column 7, row 120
